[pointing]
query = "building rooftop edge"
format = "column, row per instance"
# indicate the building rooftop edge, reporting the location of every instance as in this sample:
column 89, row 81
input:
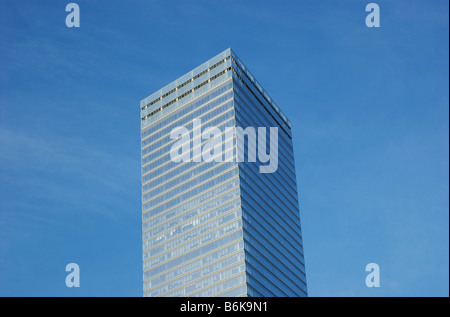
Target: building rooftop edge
column 224, row 53
column 227, row 52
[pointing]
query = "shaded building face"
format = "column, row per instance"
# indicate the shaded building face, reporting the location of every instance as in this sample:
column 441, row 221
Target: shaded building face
column 219, row 217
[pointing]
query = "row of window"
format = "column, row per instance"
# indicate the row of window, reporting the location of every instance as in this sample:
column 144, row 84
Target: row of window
column 189, row 230
column 282, row 199
column 184, row 84
column 202, row 251
column 180, row 119
column 177, row 278
column 221, row 287
column 152, row 278
column 162, row 155
column 261, row 91
column 252, row 292
column 184, row 109
column 219, row 114
column 246, row 108
column 265, row 228
column 283, row 126
column 285, row 158
column 273, row 273
column 186, row 191
column 186, row 93
column 186, row 211
column 191, row 178
column 207, row 281
column 255, row 194
column 273, row 257
column 203, row 213
column 173, row 169
column 208, row 210
column 266, row 284
column 156, row 126
column 187, row 201
column 261, row 224
column 185, row 248
column 274, row 184
column 236, row 291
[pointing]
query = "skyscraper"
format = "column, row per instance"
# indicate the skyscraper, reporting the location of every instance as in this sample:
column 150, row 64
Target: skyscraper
column 218, row 227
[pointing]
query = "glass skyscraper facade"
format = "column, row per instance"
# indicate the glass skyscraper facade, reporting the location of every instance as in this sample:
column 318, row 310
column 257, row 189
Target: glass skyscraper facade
column 219, row 228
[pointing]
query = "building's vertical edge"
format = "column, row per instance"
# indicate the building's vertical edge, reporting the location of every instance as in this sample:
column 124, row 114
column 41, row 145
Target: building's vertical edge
column 142, row 209
column 233, row 78
column 300, row 219
column 239, row 185
column 290, row 286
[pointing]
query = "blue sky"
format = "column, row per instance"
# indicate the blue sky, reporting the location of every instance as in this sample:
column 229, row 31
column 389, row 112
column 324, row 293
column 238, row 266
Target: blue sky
column 368, row 106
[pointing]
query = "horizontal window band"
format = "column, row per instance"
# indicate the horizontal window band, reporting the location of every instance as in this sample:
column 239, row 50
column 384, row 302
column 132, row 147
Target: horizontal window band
column 232, row 265
column 186, row 93
column 193, row 260
column 185, row 83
